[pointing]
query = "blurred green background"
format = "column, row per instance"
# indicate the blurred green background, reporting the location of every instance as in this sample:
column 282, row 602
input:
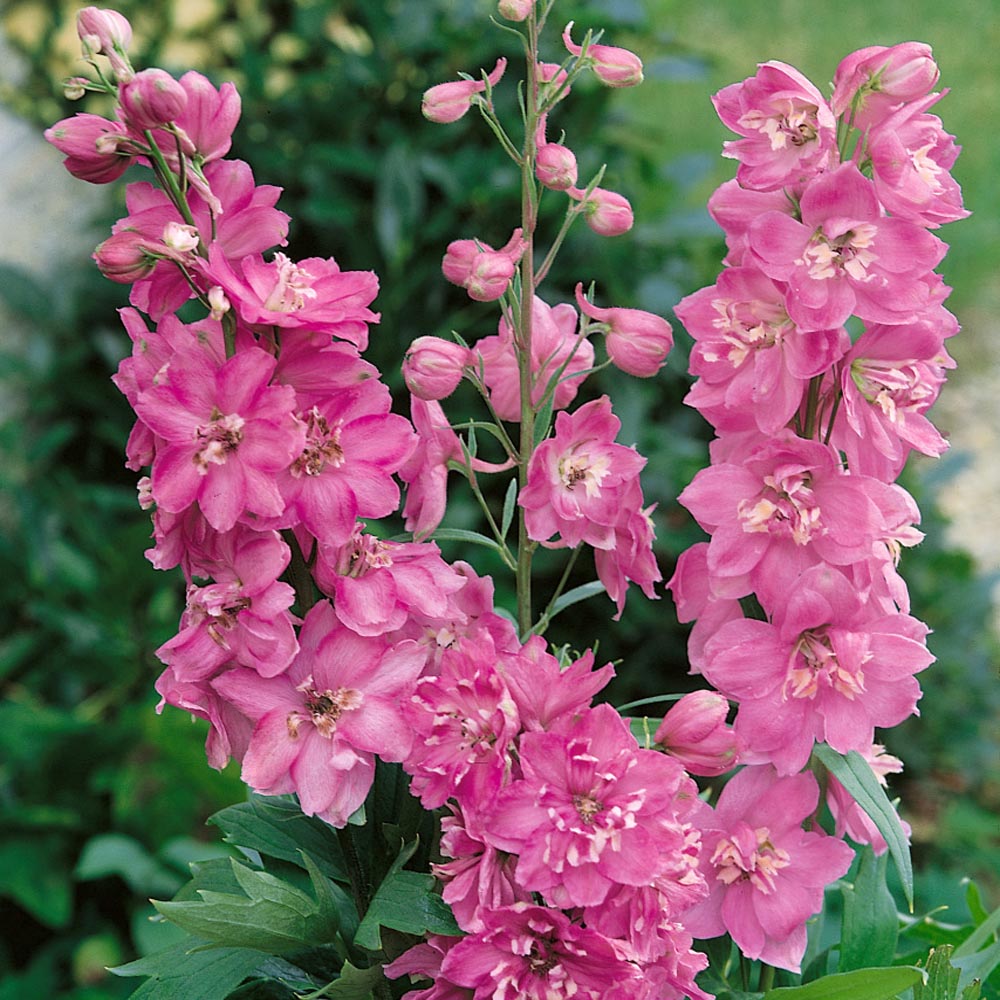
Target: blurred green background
column 102, row 802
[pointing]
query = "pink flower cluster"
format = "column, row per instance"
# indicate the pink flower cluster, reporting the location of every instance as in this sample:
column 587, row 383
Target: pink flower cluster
column 829, row 218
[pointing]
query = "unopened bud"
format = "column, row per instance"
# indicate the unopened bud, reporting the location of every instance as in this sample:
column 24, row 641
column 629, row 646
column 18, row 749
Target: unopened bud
column 515, row 10
column 695, row 732
column 447, row 102
column 433, row 367
column 75, row 87
column 125, row 257
column 606, row 212
column 613, row 66
column 152, row 98
column 637, row 342
column 180, row 238
column 555, row 166
column 218, row 302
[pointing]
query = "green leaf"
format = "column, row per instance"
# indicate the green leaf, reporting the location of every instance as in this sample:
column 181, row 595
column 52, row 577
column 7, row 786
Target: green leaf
column 462, row 535
column 405, row 901
column 272, row 916
column 978, row 965
column 32, row 874
column 277, row 828
column 352, row 984
column 115, row 854
column 576, row 595
column 856, row 775
column 871, row 924
column 509, row 506
column 942, row 976
column 182, row 972
column 987, row 929
column 861, row 984
column 644, row 729
column 543, row 420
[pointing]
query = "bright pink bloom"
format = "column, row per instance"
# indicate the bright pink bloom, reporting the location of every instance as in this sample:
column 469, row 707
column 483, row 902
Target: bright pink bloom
column 312, row 295
column 447, row 102
column 872, row 83
column 479, row 878
column 206, row 123
column 483, row 272
column 423, row 961
column 150, row 99
column 592, row 811
column 911, row 155
column 527, row 952
column 789, row 131
column 226, row 433
column 558, row 352
column 607, row 213
column 824, row 668
column 433, row 367
column 242, row 616
column 735, row 208
column 319, row 724
column 463, row 722
column 766, row 875
column 613, row 66
column 695, row 732
column 845, row 256
column 891, row 377
column 753, row 363
column 577, row 479
column 638, row 342
column 426, row 470
column 97, row 149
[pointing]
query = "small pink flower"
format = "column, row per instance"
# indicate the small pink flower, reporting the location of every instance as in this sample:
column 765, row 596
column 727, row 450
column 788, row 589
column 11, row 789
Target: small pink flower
column 695, row 732
column 613, row 66
column 447, row 102
column 766, row 875
column 638, row 342
column 873, row 82
column 607, row 213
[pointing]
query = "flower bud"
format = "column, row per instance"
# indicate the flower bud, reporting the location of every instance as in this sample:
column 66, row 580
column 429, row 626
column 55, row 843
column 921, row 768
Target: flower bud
column 606, row 212
column 125, row 257
column 551, row 76
column 218, row 303
column 75, row 87
column 484, row 272
column 180, row 238
column 555, row 166
column 878, row 79
column 695, row 732
column 515, row 10
column 94, row 147
column 433, row 367
column 613, row 66
column 103, row 31
column 638, row 342
column 151, row 98
column 447, row 102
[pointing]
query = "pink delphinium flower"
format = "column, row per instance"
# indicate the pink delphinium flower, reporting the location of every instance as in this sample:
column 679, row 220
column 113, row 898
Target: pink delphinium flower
column 789, row 130
column 423, row 961
column 592, row 811
column 824, row 668
column 319, row 724
column 845, row 256
column 577, row 479
column 463, row 722
column 527, row 952
column 766, row 875
column 557, row 351
column 226, row 433
column 695, row 732
column 447, row 102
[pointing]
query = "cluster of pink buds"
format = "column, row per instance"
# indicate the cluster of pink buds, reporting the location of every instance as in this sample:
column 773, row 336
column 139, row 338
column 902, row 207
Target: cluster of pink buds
column 829, row 218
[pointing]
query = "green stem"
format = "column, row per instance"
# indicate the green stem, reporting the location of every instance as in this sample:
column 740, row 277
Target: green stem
column 543, row 622
column 812, row 402
column 766, row 978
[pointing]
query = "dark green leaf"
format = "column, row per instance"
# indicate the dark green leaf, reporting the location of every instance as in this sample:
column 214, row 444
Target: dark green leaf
column 986, row 930
column 115, row 854
column 871, row 924
column 352, row 984
column 509, row 505
column 857, row 777
column 183, row 973
column 942, row 977
column 576, row 595
column 862, row 984
column 278, row 828
column 31, row 874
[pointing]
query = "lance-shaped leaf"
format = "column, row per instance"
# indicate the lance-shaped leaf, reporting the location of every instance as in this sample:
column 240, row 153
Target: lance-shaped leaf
column 272, row 916
column 405, row 901
column 862, row 984
column 871, row 924
column 856, row 775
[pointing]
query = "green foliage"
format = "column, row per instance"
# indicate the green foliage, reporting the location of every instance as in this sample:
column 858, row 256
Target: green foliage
column 862, row 984
column 870, row 927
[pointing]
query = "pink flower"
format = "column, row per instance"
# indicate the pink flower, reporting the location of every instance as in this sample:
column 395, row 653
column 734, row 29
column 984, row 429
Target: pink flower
column 577, row 478
column 97, row 149
column 463, row 721
column 319, row 725
column 638, row 342
column 226, row 432
column 483, row 272
column 845, row 256
column 150, row 99
column 558, row 352
column 433, row 367
column 695, row 732
column 766, row 875
column 789, row 131
column 447, row 102
column 607, row 213
column 555, row 166
column 206, row 123
column 423, row 961
column 109, row 33
column 613, row 66
column 592, row 811
column 873, row 82
column 753, row 363
column 823, row 668
column 527, row 952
